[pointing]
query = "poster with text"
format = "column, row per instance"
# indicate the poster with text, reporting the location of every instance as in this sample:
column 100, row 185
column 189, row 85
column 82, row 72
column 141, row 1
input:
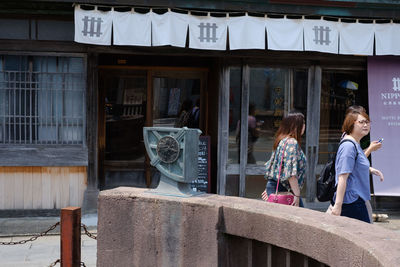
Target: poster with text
column 384, row 111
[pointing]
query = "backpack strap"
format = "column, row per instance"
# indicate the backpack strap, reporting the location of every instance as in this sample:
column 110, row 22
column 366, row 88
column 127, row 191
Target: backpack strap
column 280, row 167
column 341, row 142
column 354, row 144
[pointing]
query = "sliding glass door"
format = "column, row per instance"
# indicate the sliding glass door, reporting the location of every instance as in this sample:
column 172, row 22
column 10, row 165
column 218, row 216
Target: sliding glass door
column 258, row 98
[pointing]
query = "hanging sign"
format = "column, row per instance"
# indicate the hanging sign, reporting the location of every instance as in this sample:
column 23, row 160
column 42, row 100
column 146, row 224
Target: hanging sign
column 93, row 26
column 321, row 35
column 246, row 32
column 169, row 28
column 384, row 109
column 132, row 28
column 206, row 32
column 285, row 34
column 356, row 38
column 387, row 39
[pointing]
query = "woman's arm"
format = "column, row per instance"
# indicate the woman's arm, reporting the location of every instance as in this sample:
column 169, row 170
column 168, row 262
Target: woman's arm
column 294, row 185
column 341, row 189
column 376, row 172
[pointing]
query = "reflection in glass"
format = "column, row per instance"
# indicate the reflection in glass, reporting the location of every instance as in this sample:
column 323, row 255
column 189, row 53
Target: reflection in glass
column 234, row 115
column 273, row 92
column 176, row 102
column 269, row 90
column 335, row 99
column 125, row 107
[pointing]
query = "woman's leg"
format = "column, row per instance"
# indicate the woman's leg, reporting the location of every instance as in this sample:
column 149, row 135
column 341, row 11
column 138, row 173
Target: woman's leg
column 271, row 187
column 369, row 209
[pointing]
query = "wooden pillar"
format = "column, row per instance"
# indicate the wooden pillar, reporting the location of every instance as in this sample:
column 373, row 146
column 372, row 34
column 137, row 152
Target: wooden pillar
column 312, row 124
column 223, row 128
column 70, row 237
column 244, row 128
column 95, row 133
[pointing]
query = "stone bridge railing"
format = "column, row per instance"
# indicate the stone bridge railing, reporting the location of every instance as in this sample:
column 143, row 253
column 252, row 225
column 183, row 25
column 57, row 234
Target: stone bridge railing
column 136, row 228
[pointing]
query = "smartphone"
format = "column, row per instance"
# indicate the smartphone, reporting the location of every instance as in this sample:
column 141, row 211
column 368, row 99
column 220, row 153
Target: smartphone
column 380, row 140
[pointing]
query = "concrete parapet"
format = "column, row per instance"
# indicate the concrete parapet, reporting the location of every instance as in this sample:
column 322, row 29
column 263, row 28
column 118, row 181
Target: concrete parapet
column 136, row 228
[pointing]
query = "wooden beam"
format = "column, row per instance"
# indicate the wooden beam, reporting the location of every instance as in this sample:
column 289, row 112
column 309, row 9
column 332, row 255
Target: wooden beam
column 43, row 155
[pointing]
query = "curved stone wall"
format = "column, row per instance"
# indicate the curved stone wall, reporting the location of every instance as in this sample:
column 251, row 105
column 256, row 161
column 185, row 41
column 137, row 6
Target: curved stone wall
column 137, row 228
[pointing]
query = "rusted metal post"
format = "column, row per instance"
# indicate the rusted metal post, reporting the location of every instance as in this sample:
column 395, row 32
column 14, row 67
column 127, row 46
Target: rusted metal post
column 71, row 237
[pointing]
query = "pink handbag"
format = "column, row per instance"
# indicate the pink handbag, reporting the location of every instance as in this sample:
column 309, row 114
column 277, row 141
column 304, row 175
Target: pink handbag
column 285, row 198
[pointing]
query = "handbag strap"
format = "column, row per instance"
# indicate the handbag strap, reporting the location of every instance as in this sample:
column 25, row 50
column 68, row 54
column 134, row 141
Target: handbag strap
column 280, row 167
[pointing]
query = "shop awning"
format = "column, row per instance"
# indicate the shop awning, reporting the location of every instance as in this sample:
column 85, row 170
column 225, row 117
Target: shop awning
column 226, row 32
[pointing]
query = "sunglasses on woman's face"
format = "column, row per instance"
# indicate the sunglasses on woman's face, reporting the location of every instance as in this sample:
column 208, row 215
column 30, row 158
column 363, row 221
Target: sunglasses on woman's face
column 367, row 122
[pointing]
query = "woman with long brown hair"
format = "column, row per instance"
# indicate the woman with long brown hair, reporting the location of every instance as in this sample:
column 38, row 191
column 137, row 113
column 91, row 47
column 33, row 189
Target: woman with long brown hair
column 287, row 142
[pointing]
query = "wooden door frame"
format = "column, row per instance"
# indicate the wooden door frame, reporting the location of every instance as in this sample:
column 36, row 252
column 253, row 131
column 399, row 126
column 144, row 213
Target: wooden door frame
column 152, row 71
column 313, row 125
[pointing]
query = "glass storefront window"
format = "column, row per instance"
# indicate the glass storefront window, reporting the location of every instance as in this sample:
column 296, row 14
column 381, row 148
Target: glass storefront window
column 336, row 97
column 125, row 106
column 269, row 93
column 174, row 102
column 273, row 92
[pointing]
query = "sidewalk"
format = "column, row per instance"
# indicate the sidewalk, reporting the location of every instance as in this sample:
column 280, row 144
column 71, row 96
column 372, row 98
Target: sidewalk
column 44, row 250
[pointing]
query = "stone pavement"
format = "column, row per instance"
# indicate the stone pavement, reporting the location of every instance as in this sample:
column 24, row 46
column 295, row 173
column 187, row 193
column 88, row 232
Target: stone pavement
column 46, row 250
column 42, row 252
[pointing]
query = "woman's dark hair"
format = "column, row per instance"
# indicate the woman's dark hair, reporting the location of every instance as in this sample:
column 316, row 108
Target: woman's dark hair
column 355, row 108
column 252, row 109
column 291, row 126
column 186, row 105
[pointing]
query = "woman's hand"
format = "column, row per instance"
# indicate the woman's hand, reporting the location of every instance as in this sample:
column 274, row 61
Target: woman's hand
column 375, row 145
column 294, row 185
column 296, row 201
column 264, row 195
column 337, row 209
column 377, row 173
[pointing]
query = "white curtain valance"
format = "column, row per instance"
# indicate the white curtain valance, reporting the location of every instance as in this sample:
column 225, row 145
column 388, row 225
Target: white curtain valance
column 321, row 35
column 169, row 28
column 285, row 34
column 356, row 38
column 245, row 32
column 207, row 32
column 131, row 28
column 387, row 39
column 92, row 27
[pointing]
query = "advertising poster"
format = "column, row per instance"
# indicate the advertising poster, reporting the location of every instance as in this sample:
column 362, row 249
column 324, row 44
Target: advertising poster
column 384, row 111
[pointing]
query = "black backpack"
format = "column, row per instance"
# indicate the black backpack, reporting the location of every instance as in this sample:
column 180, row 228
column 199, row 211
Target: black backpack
column 326, row 182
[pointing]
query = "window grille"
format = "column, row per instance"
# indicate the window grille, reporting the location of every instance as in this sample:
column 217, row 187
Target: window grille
column 42, row 100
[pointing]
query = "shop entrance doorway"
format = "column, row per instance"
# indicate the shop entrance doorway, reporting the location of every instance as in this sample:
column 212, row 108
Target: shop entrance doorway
column 131, row 98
